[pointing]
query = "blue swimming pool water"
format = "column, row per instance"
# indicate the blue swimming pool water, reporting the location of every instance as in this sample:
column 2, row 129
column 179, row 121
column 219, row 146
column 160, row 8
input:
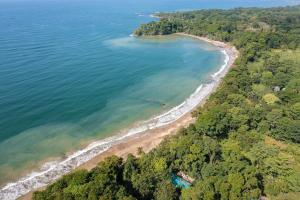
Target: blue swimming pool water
column 179, row 182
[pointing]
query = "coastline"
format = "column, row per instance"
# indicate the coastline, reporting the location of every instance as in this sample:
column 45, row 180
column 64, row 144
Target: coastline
column 148, row 135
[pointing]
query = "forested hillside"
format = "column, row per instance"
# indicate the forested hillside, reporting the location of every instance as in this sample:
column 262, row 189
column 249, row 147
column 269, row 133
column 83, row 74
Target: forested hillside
column 245, row 142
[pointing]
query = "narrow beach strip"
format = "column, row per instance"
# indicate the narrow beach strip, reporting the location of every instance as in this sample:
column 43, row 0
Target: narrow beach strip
column 146, row 135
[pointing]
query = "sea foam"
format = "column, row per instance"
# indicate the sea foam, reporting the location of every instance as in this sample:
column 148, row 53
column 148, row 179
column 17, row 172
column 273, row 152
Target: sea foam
column 223, row 67
column 54, row 170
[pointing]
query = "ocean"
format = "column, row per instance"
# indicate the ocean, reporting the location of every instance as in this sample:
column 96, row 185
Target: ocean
column 71, row 74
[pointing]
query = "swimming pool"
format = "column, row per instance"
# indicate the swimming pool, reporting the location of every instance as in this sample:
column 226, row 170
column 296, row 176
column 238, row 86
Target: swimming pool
column 179, row 182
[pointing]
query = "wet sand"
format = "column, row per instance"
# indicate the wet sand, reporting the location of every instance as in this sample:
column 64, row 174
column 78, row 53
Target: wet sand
column 150, row 139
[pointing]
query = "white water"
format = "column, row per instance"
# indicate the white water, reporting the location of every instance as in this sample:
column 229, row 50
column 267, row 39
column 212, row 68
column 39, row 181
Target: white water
column 223, row 67
column 53, row 170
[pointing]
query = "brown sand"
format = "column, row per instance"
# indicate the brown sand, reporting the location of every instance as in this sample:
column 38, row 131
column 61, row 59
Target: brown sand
column 152, row 138
column 147, row 141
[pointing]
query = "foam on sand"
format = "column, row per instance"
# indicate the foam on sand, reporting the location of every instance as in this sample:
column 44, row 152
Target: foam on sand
column 54, row 170
column 223, row 67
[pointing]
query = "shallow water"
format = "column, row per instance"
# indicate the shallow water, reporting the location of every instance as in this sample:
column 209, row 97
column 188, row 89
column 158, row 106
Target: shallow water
column 71, row 74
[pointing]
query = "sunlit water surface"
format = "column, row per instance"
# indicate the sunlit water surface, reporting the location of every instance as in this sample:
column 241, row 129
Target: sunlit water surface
column 70, row 73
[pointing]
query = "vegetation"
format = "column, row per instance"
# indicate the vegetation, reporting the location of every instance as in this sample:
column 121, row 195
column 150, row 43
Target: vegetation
column 245, row 142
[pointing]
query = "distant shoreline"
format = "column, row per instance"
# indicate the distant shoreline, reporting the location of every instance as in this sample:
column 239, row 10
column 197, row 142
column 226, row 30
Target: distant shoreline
column 147, row 136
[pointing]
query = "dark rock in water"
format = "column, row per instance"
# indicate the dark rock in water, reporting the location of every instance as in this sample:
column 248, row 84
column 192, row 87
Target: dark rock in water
column 155, row 102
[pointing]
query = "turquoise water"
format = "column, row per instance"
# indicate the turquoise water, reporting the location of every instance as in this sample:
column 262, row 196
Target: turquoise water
column 71, row 74
column 179, row 182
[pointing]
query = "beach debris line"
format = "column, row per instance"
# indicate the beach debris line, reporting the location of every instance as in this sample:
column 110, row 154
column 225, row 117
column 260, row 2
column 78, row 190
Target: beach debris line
column 44, row 177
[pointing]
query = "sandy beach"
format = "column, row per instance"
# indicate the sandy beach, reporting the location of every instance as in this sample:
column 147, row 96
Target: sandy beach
column 151, row 138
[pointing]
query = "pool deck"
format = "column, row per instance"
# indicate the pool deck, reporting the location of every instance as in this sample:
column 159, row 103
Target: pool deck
column 185, row 177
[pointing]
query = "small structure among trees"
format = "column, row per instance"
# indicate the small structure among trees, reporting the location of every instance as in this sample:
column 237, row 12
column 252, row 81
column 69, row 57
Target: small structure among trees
column 185, row 177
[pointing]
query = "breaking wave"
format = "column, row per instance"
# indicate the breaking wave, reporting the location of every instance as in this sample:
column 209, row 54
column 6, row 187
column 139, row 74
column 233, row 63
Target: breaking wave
column 53, row 170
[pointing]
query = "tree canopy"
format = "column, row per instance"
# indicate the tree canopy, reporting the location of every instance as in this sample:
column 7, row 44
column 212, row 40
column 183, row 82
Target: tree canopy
column 245, row 141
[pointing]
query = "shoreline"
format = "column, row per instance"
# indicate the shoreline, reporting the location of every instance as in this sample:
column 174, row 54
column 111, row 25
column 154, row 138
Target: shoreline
column 148, row 135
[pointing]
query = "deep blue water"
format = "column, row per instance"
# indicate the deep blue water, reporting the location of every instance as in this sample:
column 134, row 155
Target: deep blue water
column 70, row 73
